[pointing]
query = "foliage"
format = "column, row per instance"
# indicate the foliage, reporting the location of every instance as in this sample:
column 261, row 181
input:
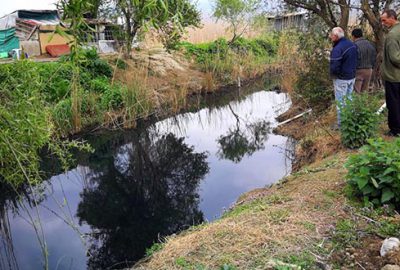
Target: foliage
column 91, row 62
column 26, row 125
column 359, row 120
column 57, row 79
column 62, row 116
column 171, row 33
column 313, row 86
column 345, row 234
column 170, row 17
column 153, row 249
column 73, row 15
column 333, row 13
column 374, row 173
column 112, row 99
column 237, row 13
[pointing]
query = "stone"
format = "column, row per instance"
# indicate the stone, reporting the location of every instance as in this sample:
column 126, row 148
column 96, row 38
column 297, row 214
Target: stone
column 389, row 244
column 390, row 267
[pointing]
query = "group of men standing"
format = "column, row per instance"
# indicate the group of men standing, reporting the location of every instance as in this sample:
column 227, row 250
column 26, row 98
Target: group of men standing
column 352, row 63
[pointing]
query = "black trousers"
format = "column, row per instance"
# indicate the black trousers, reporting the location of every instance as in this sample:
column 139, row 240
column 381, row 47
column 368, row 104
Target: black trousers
column 392, row 92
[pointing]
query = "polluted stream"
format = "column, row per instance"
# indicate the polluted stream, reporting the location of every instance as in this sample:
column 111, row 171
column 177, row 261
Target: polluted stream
column 143, row 184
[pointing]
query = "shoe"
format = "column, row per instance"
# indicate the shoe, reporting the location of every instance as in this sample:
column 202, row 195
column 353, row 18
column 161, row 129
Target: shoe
column 392, row 134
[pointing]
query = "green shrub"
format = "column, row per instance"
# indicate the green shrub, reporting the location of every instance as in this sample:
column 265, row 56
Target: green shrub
column 359, row 120
column 112, row 99
column 99, row 85
column 24, row 127
column 62, row 115
column 374, row 173
column 314, row 86
column 57, row 79
column 92, row 63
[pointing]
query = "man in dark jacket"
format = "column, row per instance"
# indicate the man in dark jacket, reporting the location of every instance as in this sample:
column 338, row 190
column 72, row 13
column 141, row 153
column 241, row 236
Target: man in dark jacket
column 365, row 61
column 391, row 70
column 343, row 63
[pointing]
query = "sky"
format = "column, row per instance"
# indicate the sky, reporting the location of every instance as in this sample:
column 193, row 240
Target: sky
column 8, row 6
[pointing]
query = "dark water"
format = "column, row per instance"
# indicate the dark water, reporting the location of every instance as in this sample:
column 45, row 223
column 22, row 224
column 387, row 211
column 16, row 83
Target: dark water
column 141, row 185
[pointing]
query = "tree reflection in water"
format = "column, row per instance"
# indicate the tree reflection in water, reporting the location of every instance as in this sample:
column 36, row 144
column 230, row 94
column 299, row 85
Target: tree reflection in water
column 243, row 139
column 148, row 190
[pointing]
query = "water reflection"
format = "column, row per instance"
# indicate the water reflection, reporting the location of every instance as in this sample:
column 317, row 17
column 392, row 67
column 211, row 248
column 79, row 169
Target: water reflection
column 141, row 185
column 150, row 190
column 243, row 139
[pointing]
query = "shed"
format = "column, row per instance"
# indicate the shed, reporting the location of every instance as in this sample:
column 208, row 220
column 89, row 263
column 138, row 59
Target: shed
column 289, row 21
column 31, row 30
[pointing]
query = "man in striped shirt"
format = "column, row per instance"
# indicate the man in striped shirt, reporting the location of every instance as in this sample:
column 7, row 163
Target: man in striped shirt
column 365, row 61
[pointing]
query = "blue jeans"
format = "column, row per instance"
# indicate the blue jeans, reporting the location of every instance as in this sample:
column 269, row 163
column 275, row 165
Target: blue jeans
column 343, row 88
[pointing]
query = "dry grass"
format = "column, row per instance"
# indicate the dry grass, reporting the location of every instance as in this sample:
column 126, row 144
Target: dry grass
column 210, row 31
column 262, row 228
column 290, row 61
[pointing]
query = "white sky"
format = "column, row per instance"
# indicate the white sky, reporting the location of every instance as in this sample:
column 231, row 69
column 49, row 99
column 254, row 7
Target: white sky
column 8, row 6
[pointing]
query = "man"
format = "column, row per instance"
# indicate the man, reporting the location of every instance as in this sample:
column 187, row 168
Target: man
column 343, row 64
column 365, row 61
column 391, row 70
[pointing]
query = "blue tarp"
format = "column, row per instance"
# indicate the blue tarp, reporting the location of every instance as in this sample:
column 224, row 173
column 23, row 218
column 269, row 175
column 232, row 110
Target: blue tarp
column 8, row 40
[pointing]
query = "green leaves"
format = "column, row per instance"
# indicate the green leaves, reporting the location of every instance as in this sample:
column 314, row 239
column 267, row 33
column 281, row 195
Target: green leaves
column 239, row 14
column 359, row 121
column 374, row 173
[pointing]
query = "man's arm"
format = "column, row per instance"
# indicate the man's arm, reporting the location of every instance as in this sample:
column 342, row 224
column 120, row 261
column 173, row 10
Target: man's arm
column 393, row 48
column 335, row 62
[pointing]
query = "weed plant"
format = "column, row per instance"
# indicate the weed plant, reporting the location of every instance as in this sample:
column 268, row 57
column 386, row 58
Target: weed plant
column 314, row 86
column 359, row 120
column 374, row 173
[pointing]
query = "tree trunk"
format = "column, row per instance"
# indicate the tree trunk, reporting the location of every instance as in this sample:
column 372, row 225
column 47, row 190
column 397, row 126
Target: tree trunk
column 345, row 15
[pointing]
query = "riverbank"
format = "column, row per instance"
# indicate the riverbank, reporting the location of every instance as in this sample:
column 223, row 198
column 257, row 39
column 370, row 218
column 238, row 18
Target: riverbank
column 306, row 221
column 43, row 104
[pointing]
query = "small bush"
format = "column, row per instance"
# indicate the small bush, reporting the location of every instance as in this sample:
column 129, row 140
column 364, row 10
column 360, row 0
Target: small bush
column 62, row 115
column 305, row 53
column 374, row 173
column 314, row 86
column 112, row 99
column 99, row 85
column 359, row 120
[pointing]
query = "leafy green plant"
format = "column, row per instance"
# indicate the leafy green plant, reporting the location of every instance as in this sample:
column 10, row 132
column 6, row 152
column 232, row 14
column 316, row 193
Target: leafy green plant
column 374, row 173
column 153, row 249
column 112, row 99
column 359, row 120
column 313, row 86
column 238, row 14
column 99, row 85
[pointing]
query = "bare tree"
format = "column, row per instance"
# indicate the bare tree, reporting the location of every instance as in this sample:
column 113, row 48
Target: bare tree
column 333, row 13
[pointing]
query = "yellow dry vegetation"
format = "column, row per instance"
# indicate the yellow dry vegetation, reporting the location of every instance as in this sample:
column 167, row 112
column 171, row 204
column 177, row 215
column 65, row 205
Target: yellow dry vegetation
column 211, row 31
